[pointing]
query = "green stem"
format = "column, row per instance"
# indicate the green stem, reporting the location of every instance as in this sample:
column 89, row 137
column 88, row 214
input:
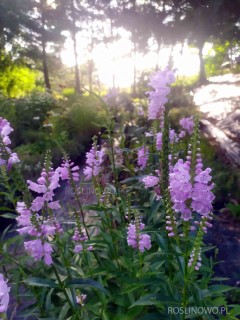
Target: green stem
column 115, row 251
column 74, row 310
column 186, row 254
column 115, row 173
column 79, row 206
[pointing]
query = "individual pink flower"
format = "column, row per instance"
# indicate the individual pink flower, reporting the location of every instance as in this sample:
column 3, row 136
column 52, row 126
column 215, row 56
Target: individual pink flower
column 78, row 248
column 80, row 299
column 39, row 188
column 150, row 181
column 47, row 248
column 187, row 124
column 143, row 157
column 4, row 294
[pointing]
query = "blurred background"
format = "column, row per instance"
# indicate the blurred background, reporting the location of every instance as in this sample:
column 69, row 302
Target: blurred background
column 56, row 56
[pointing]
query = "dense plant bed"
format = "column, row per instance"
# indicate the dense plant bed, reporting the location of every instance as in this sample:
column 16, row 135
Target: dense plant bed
column 138, row 252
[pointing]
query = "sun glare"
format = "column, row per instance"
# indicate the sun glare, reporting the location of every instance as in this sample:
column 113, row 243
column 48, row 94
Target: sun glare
column 115, row 62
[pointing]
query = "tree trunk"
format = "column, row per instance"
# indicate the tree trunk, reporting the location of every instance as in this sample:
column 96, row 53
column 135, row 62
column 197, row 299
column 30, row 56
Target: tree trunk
column 113, row 57
column 74, row 38
column 134, row 86
column 202, row 74
column 77, row 77
column 45, row 67
column 158, row 55
column 90, row 73
column 44, row 54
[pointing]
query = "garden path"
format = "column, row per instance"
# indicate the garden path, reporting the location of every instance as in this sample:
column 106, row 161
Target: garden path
column 219, row 102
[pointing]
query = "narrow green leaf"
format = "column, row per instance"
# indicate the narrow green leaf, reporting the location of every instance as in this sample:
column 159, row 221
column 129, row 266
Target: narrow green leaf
column 40, row 282
column 9, row 215
column 85, row 283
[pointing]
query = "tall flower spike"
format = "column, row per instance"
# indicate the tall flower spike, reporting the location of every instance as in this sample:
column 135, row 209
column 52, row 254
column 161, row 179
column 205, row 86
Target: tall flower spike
column 68, row 168
column 142, row 157
column 160, row 82
column 93, row 162
column 180, row 188
column 187, row 124
column 4, row 294
column 6, row 155
column 135, row 238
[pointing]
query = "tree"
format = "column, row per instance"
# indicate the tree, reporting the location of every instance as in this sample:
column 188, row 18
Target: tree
column 73, row 14
column 207, row 20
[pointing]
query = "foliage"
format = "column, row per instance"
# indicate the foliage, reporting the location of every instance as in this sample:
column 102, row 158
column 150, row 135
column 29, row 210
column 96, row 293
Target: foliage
column 95, row 265
column 234, row 208
column 76, row 120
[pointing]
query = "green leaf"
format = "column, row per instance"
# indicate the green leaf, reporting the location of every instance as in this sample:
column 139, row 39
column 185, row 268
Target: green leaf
column 220, row 279
column 154, row 316
column 5, row 209
column 85, row 283
column 9, row 215
column 219, row 288
column 154, row 299
column 92, row 207
column 64, row 311
column 40, row 282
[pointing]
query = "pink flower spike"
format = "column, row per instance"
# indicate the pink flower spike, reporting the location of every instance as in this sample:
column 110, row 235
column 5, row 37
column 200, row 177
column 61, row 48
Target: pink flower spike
column 4, row 294
column 142, row 157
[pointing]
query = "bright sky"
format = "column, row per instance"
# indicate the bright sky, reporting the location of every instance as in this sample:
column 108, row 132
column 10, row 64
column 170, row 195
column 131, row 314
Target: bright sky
column 117, row 59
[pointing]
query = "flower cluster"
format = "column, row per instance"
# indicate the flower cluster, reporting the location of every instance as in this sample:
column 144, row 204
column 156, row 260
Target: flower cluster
column 35, row 225
column 160, row 82
column 142, row 157
column 7, row 157
column 68, row 168
column 80, row 236
column 195, row 260
column 39, row 249
column 202, row 196
column 150, row 181
column 4, row 294
column 187, row 125
column 94, row 162
column 45, row 185
column 135, row 238
column 80, row 298
column 172, row 138
column 180, row 188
